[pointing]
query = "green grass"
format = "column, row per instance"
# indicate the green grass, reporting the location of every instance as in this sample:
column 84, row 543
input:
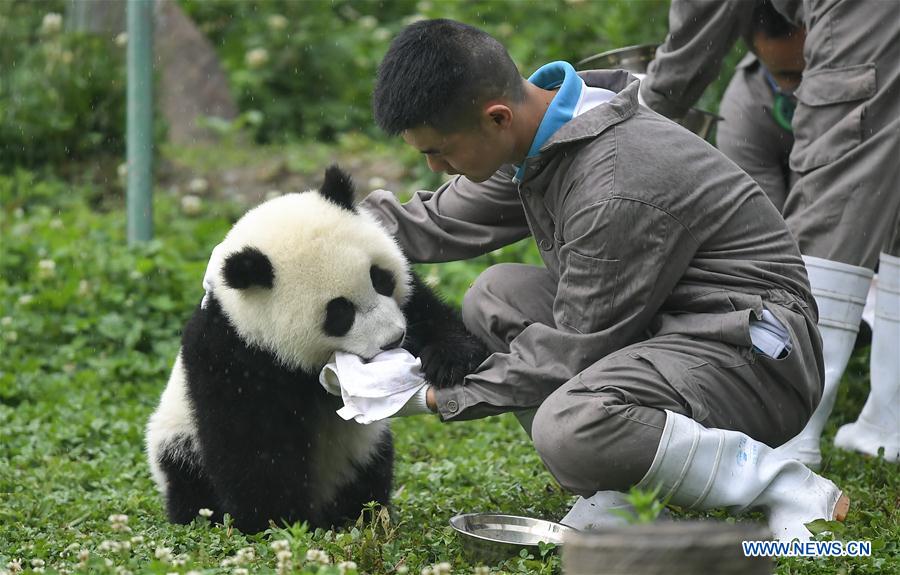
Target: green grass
column 86, row 344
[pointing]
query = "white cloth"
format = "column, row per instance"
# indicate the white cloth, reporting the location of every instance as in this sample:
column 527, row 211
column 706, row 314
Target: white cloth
column 769, row 336
column 376, row 389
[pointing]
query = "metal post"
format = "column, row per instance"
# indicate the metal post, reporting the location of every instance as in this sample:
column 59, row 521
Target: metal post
column 140, row 121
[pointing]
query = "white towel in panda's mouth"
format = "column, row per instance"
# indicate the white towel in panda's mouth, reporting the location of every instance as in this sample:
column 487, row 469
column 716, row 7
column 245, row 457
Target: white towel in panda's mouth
column 375, row 389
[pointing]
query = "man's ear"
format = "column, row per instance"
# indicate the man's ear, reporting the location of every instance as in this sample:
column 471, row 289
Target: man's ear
column 499, row 115
column 248, row 268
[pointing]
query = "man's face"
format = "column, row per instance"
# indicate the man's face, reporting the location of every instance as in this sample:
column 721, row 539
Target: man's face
column 782, row 57
column 474, row 152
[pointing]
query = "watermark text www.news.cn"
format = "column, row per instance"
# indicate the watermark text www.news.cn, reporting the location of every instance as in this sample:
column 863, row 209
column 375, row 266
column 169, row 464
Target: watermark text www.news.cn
column 807, row 548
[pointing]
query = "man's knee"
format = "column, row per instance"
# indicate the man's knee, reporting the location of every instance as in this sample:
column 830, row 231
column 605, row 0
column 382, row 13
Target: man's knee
column 480, row 304
column 593, row 442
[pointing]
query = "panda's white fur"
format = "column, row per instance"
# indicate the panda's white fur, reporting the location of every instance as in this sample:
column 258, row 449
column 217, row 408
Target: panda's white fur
column 243, row 426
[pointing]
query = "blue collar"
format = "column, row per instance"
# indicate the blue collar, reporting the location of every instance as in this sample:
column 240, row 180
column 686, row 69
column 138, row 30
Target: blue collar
column 562, row 108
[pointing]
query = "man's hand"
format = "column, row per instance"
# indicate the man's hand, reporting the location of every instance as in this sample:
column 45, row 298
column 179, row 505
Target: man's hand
column 430, row 401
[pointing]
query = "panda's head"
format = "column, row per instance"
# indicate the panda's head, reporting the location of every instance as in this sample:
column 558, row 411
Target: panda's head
column 305, row 275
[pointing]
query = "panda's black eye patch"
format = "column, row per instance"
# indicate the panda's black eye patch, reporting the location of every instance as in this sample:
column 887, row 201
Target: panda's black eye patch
column 382, row 281
column 339, row 316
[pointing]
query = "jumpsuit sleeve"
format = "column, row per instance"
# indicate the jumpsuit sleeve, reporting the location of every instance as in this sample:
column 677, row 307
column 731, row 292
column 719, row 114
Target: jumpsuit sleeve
column 459, row 220
column 620, row 260
column 701, row 32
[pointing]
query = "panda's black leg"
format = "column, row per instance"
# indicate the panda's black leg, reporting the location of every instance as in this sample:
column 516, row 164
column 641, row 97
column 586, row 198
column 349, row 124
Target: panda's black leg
column 187, row 490
column 437, row 335
column 373, row 484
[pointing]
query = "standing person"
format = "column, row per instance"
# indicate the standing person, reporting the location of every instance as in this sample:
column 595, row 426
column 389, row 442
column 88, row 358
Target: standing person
column 843, row 208
column 670, row 338
column 758, row 104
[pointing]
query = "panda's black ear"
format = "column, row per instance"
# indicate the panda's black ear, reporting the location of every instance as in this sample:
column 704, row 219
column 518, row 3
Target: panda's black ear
column 338, row 187
column 248, row 268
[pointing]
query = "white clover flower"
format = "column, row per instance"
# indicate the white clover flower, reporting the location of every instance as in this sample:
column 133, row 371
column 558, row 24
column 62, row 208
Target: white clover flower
column 51, row 24
column 11, row 336
column 280, row 545
column 481, row 570
column 14, row 566
column 6, row 321
column 46, row 268
column 381, row 34
column 318, row 556
column 257, row 57
column 122, row 170
column 164, row 554
column 37, row 563
column 37, row 569
column 108, row 562
column 121, row 570
column 179, row 561
column 107, row 545
column 193, row 572
column 377, row 183
column 227, row 562
column 83, row 555
column 443, row 568
column 277, row 22
column 121, row 39
column 345, row 566
column 84, row 287
column 241, row 571
column 198, row 185
column 368, row 22
column 25, row 299
column 426, row 571
column 205, row 513
column 402, row 570
column 284, row 555
column 118, row 518
column 246, row 554
column 191, row 205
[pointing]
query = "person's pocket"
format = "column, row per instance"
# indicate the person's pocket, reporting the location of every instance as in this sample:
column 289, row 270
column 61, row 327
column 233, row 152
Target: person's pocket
column 828, row 120
column 581, row 309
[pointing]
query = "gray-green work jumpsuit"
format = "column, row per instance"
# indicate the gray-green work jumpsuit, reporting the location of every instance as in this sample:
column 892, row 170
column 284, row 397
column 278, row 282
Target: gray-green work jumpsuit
column 658, row 253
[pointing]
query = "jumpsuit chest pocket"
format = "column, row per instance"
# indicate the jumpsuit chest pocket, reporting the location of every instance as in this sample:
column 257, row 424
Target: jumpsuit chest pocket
column 828, row 120
column 590, row 290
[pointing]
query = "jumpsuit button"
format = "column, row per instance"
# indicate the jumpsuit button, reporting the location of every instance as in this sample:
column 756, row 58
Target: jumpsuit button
column 545, row 244
column 452, row 406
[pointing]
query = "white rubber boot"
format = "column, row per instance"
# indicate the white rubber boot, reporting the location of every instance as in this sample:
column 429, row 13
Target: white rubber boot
column 879, row 422
column 703, row 468
column 840, row 291
column 602, row 509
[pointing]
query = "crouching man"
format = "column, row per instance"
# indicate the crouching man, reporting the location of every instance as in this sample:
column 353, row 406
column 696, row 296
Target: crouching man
column 670, row 338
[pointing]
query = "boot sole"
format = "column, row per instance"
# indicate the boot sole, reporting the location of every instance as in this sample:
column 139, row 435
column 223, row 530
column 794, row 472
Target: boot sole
column 842, row 507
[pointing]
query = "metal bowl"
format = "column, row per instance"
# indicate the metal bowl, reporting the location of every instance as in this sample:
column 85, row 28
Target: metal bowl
column 632, row 58
column 492, row 538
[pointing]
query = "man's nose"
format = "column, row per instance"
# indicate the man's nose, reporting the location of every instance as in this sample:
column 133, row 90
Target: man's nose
column 436, row 165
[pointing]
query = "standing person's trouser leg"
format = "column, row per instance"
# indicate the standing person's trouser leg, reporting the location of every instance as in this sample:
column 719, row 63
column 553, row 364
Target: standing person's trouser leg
column 842, row 209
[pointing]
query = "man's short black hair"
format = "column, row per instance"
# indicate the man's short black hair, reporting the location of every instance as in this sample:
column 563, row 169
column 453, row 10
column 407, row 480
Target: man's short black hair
column 437, row 73
column 769, row 22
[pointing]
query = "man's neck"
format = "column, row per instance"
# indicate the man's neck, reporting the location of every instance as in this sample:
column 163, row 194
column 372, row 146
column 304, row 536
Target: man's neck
column 532, row 111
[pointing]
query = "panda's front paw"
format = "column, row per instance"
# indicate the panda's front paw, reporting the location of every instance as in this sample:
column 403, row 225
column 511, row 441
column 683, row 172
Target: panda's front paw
column 448, row 362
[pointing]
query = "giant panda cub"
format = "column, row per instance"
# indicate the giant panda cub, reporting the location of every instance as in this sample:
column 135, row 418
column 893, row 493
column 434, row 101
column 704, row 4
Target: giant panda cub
column 243, row 426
